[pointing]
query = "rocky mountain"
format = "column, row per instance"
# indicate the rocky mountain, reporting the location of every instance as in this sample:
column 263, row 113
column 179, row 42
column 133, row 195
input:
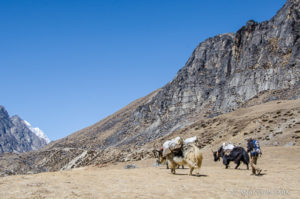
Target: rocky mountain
column 16, row 135
column 38, row 132
column 223, row 73
column 257, row 64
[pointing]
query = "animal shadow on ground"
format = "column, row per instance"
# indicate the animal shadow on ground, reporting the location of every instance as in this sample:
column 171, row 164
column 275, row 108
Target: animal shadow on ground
column 194, row 175
column 238, row 169
column 163, row 168
column 200, row 175
column 261, row 174
column 258, row 175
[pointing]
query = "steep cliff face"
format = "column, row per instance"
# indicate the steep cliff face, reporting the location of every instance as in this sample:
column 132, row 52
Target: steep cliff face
column 15, row 136
column 6, row 139
column 223, row 74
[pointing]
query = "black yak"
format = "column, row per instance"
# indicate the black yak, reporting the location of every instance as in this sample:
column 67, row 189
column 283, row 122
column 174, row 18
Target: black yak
column 237, row 154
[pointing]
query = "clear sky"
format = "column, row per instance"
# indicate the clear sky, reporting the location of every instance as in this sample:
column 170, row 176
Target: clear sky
column 65, row 65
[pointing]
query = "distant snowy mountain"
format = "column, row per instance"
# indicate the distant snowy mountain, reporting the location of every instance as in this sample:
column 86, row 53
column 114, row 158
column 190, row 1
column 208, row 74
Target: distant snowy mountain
column 17, row 135
column 37, row 131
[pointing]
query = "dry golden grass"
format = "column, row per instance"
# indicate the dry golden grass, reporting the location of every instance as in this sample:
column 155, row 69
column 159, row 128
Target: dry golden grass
column 280, row 179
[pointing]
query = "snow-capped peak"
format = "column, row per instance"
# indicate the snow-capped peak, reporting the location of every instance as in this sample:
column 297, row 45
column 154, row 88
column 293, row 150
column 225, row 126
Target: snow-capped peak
column 37, row 131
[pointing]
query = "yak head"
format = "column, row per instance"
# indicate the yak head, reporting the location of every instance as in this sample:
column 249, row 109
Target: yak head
column 217, row 154
column 158, row 154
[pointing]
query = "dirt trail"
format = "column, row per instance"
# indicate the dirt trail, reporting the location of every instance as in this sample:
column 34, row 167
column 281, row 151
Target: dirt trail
column 280, row 179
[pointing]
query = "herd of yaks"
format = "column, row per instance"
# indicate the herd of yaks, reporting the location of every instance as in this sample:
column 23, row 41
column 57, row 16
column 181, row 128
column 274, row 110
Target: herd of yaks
column 179, row 152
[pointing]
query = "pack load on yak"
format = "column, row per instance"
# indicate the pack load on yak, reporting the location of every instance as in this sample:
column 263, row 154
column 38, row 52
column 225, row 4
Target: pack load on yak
column 228, row 146
column 191, row 140
column 175, row 145
column 172, row 146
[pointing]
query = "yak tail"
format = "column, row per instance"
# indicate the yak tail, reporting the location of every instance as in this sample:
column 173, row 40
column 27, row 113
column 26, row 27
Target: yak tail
column 197, row 155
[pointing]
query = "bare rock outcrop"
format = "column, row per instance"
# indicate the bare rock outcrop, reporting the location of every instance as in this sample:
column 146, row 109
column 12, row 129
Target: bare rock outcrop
column 223, row 74
column 257, row 64
column 15, row 136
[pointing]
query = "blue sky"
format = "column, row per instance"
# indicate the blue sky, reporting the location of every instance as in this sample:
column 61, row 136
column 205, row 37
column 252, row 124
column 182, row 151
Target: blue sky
column 68, row 64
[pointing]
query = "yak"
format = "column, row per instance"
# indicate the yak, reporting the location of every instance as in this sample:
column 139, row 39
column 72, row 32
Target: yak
column 159, row 155
column 237, row 154
column 188, row 154
column 169, row 144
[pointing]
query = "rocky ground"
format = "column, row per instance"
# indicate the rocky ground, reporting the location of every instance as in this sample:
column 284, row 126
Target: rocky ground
column 280, row 179
column 275, row 123
column 83, row 173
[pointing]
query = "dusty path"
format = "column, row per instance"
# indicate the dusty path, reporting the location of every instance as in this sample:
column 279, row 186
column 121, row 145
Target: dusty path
column 281, row 179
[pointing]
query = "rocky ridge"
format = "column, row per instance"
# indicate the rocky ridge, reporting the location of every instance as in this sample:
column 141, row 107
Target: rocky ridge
column 257, row 64
column 15, row 136
column 223, row 73
column 273, row 123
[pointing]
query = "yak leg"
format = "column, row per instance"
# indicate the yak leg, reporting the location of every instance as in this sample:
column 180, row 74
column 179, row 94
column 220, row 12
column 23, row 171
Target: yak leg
column 245, row 162
column 192, row 164
column 167, row 165
column 238, row 164
column 191, row 170
column 227, row 164
column 238, row 160
column 198, row 172
column 173, row 171
column 172, row 166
